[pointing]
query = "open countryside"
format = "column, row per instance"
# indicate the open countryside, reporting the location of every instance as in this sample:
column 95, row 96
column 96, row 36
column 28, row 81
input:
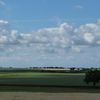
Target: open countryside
column 48, row 79
column 44, row 77
column 42, row 83
column 49, row 49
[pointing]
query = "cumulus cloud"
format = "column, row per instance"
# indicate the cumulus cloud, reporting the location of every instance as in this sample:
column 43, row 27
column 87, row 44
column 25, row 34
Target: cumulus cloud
column 78, row 7
column 59, row 39
column 89, row 33
column 3, row 22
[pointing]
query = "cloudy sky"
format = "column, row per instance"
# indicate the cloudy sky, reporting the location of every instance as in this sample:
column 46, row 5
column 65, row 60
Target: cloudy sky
column 50, row 33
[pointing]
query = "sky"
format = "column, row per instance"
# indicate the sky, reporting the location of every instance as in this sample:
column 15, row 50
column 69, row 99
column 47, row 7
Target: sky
column 63, row 33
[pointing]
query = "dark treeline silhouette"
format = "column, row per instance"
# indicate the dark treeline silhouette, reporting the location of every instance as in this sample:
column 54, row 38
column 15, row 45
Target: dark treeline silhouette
column 92, row 76
column 46, row 69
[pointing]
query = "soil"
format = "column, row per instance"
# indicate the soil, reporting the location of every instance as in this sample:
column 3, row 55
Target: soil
column 48, row 96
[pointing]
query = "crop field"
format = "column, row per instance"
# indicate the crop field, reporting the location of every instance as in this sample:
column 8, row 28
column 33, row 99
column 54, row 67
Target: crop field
column 45, row 86
column 42, row 82
column 45, row 79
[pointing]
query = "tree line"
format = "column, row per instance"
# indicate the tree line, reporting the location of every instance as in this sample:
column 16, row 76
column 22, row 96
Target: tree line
column 92, row 76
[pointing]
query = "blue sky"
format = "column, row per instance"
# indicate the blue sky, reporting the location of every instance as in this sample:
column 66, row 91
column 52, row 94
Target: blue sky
column 50, row 33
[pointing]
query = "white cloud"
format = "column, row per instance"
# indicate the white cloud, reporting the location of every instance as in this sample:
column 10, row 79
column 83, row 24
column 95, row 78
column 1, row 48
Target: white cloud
column 3, row 22
column 78, row 7
column 89, row 37
column 59, row 39
column 3, row 39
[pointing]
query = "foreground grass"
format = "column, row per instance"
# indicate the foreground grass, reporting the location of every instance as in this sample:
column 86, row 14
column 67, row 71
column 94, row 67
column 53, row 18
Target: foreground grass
column 50, row 89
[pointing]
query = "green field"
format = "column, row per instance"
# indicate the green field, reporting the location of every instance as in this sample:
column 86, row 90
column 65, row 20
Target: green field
column 36, row 78
column 43, row 79
column 44, row 82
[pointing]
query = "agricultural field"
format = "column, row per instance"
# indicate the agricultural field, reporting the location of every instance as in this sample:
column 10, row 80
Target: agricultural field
column 45, row 86
column 41, row 81
column 43, row 78
column 40, row 78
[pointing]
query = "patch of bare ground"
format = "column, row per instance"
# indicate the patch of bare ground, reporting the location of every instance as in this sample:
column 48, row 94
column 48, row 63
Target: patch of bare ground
column 48, row 96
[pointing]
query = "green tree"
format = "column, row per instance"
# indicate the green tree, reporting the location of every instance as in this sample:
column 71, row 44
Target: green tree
column 92, row 76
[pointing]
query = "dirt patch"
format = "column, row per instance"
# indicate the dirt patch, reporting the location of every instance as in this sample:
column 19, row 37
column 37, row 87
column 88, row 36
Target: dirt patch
column 48, row 96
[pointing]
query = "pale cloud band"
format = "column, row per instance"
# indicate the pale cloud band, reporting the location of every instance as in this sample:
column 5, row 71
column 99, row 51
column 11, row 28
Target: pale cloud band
column 58, row 39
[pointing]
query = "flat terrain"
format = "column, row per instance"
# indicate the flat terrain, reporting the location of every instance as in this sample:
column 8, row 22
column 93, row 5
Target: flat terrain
column 46, row 86
column 45, row 79
column 48, row 96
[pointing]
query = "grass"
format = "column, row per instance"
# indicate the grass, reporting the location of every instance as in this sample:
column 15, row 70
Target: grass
column 34, row 74
column 36, row 78
column 44, row 82
column 49, row 89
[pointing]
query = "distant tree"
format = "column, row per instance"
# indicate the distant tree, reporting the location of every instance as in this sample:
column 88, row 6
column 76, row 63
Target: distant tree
column 92, row 76
column 72, row 69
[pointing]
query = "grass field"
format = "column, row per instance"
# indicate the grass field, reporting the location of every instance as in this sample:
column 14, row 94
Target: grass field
column 45, row 86
column 41, row 82
column 45, row 79
column 36, row 78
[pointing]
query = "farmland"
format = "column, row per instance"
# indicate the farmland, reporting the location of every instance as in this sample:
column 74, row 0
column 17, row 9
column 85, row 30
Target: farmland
column 41, row 81
column 45, row 79
column 46, row 86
